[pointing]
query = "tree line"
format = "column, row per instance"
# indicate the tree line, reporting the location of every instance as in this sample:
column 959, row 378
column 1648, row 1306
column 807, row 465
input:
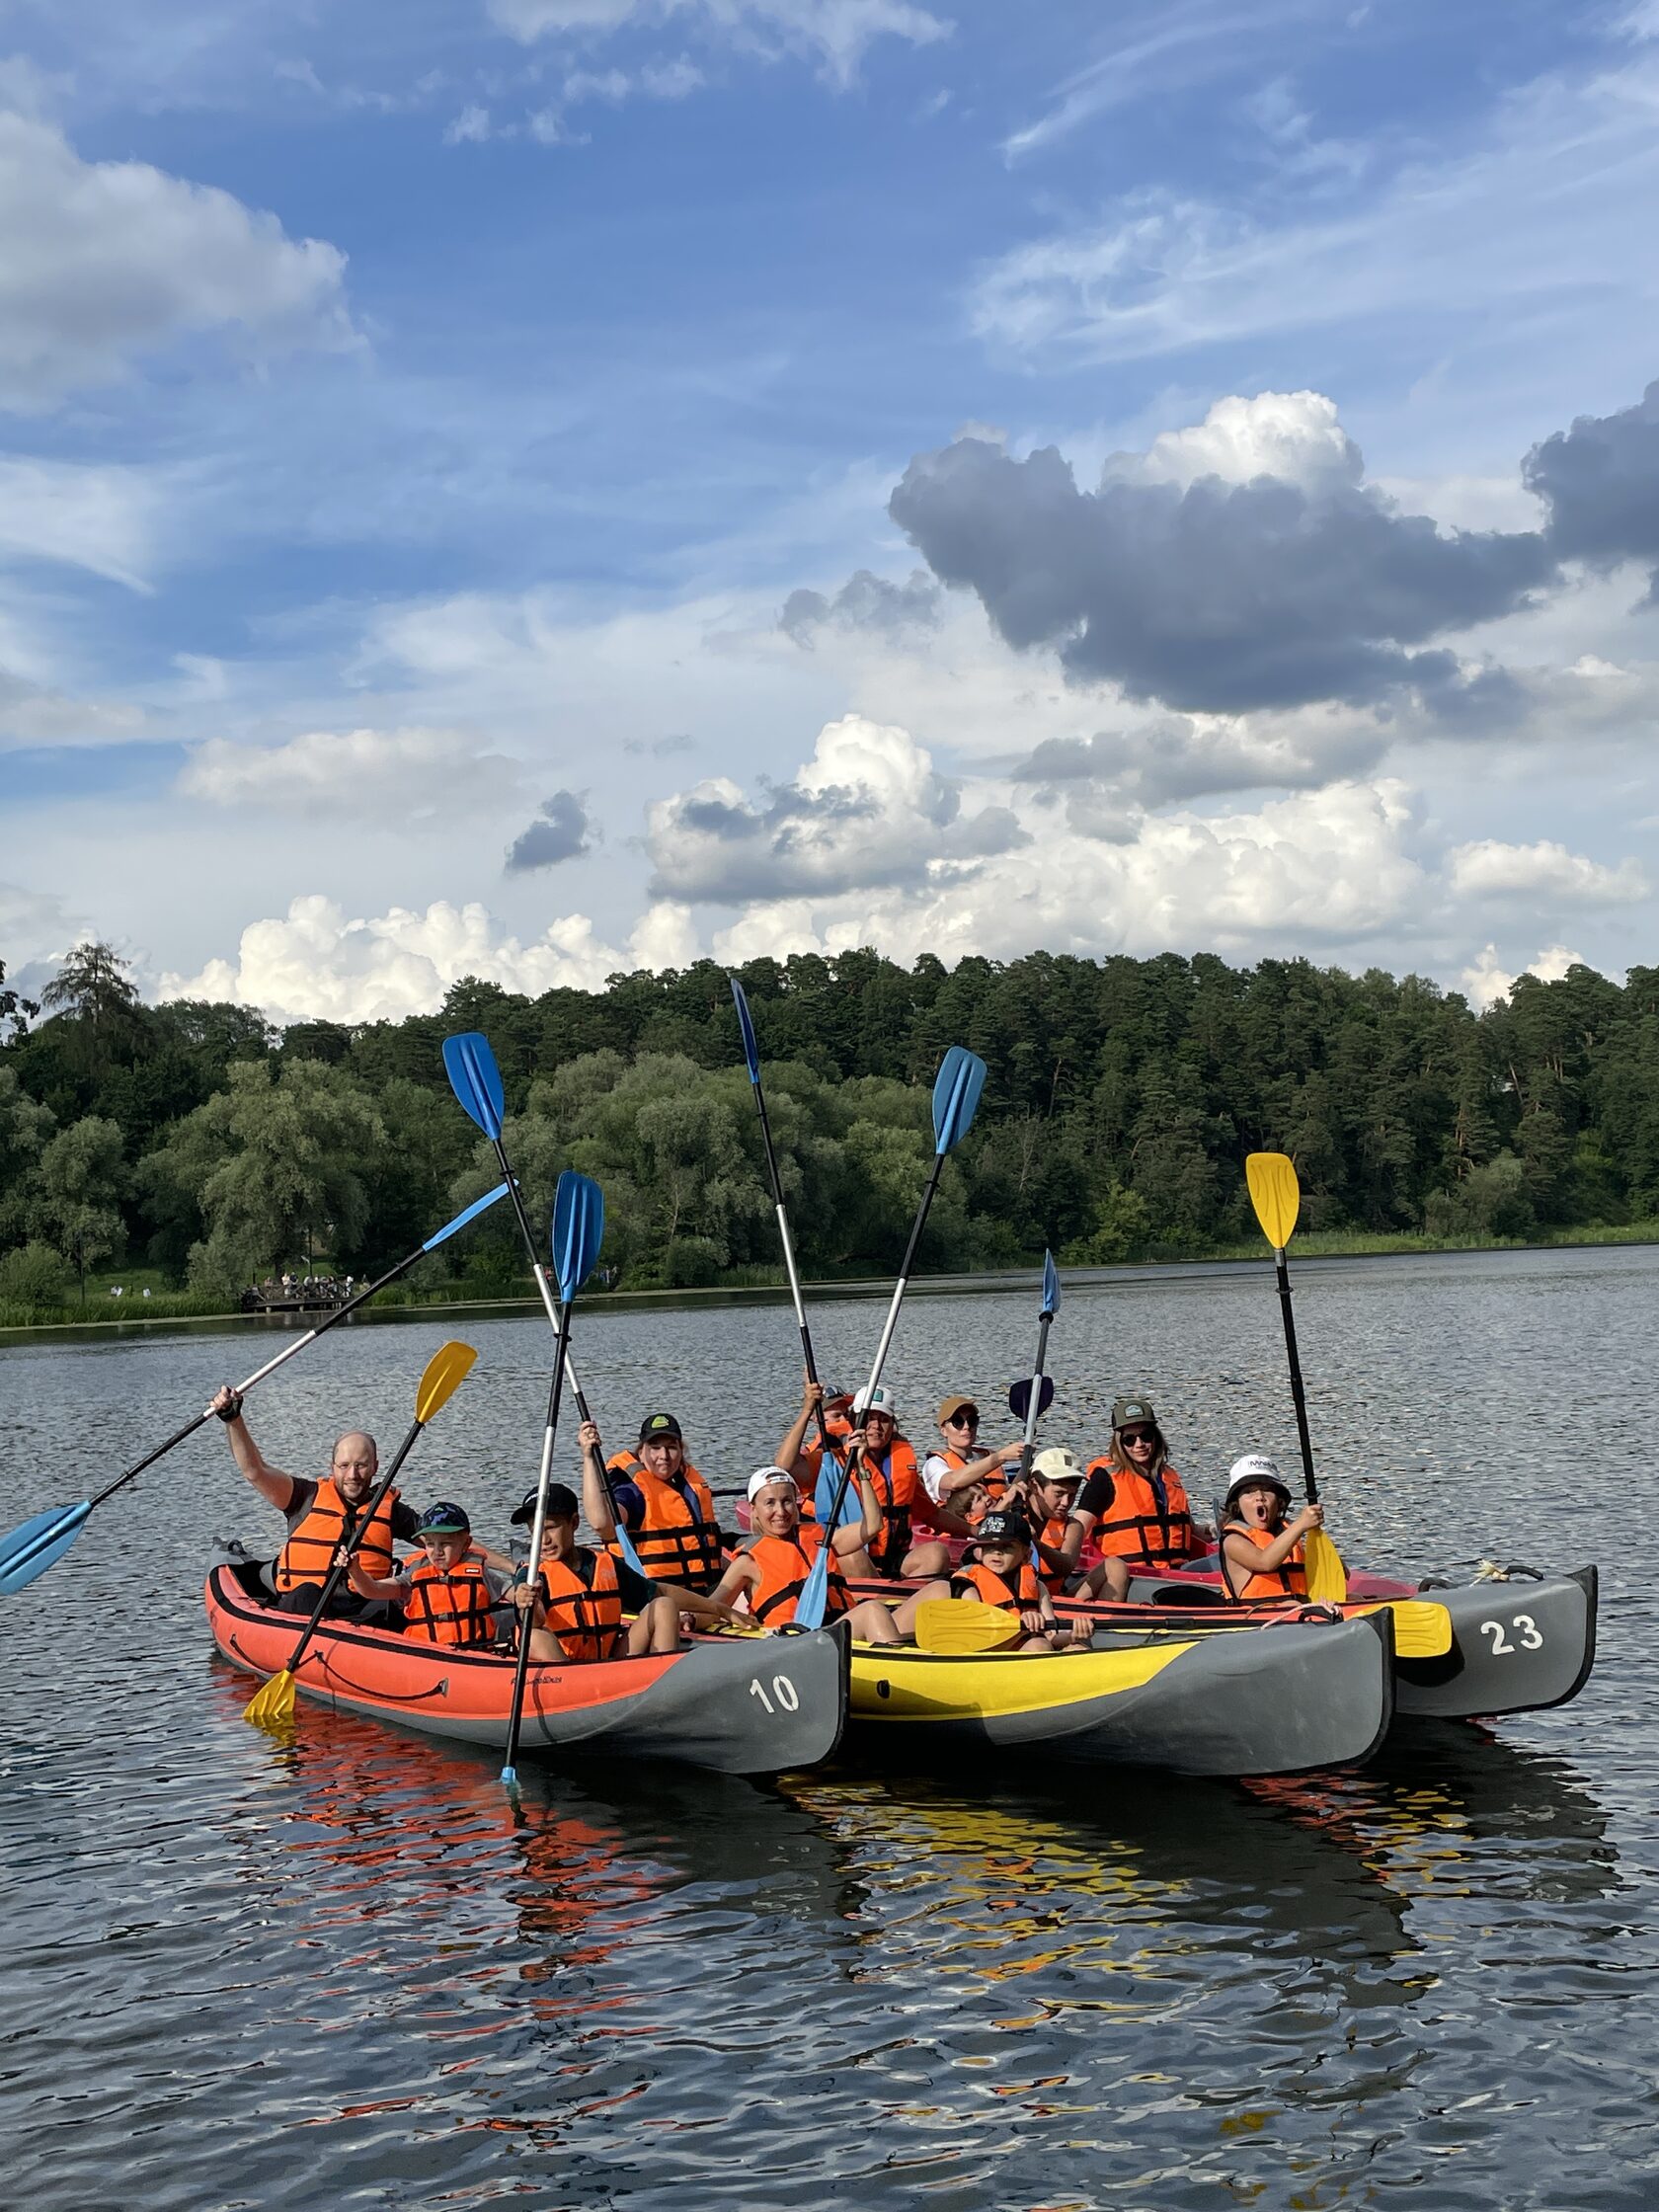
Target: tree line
column 1122, row 1098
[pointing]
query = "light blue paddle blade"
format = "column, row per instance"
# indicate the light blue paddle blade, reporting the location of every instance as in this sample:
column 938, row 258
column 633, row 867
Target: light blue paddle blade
column 810, row 1606
column 578, row 1230
column 752, row 1048
column 956, row 1095
column 38, row 1545
column 476, row 1080
column 823, row 1497
column 1019, row 1396
column 478, row 1206
column 1051, row 1286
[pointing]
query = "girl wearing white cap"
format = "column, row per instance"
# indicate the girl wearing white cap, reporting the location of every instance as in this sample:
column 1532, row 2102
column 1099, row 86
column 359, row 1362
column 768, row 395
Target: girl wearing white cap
column 771, row 1571
column 1261, row 1552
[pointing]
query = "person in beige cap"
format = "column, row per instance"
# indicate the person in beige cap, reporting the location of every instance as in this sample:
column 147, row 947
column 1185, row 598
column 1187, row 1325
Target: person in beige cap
column 1050, row 1500
column 962, row 1482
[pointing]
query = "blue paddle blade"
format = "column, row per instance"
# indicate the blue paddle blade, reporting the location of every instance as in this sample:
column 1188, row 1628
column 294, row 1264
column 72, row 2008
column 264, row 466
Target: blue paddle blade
column 476, row 1080
column 578, row 1230
column 809, row 1607
column 956, row 1094
column 1019, row 1396
column 478, row 1206
column 1051, row 1285
column 30, row 1550
column 751, row 1049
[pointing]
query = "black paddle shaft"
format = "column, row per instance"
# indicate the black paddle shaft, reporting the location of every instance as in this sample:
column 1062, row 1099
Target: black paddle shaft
column 1296, row 1391
column 350, row 1534
column 190, row 1428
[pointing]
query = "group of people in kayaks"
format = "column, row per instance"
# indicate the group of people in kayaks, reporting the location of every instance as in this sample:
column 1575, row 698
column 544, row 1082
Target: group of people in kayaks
column 958, row 1520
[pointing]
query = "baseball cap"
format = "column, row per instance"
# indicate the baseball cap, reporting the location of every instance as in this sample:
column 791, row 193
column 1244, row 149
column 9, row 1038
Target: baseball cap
column 660, row 1427
column 443, row 1520
column 950, row 1406
column 836, row 1398
column 764, row 1477
column 1057, row 1465
column 878, row 1401
column 561, row 1505
column 1256, row 1472
column 1128, row 1410
column 1002, row 1527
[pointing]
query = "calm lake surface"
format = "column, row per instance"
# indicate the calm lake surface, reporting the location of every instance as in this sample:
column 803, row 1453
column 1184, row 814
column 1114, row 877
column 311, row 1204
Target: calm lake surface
column 340, row 1972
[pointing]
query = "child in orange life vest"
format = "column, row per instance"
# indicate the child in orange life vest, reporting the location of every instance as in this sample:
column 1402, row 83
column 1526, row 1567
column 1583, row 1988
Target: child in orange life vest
column 577, row 1610
column 1051, row 1496
column 452, row 1594
column 770, row 1575
column 1261, row 1552
column 1003, row 1575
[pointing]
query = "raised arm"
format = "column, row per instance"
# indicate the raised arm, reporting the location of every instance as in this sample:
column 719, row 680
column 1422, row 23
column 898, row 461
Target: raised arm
column 275, row 1487
column 795, row 1436
column 595, row 1498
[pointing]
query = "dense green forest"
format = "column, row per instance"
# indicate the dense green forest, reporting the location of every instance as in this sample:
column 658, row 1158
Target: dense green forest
column 1123, row 1097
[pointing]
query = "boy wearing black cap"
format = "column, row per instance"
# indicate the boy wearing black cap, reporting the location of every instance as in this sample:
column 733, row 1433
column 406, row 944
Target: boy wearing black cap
column 1002, row 1574
column 452, row 1594
column 577, row 1613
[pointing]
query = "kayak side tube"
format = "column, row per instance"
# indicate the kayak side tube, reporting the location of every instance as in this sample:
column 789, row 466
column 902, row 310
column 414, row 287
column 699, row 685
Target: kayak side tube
column 1285, row 1700
column 1516, row 1647
column 737, row 1706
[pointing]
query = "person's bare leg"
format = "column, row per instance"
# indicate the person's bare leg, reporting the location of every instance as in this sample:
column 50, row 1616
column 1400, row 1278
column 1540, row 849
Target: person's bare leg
column 873, row 1623
column 904, row 1618
column 924, row 1561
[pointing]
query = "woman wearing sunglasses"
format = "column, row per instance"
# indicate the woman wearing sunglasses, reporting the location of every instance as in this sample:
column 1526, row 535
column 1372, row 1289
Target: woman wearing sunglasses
column 962, row 1480
column 1133, row 1504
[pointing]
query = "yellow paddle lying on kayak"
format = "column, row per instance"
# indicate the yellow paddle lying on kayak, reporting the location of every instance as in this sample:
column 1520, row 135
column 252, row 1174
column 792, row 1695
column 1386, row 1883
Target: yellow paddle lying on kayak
column 957, row 1627
column 1276, row 1196
column 445, row 1371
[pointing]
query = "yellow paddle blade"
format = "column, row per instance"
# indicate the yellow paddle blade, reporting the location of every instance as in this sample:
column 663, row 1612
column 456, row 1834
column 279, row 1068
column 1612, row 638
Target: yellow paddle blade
column 272, row 1705
column 447, row 1370
column 1421, row 1630
column 961, row 1625
column 1327, row 1577
column 1275, row 1194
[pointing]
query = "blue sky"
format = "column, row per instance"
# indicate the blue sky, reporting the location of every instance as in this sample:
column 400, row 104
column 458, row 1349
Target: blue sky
column 438, row 433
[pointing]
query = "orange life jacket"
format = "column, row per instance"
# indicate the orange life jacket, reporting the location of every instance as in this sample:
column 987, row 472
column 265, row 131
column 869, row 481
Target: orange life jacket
column 586, row 1620
column 896, row 1484
column 329, row 1523
column 992, row 1488
column 454, row 1608
column 1026, row 1589
column 1134, row 1528
column 810, row 1461
column 675, row 1543
column 1287, row 1580
column 1052, row 1533
column 785, row 1564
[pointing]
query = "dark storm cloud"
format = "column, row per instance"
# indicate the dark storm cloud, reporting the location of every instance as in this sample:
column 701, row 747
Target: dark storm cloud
column 559, row 833
column 1175, row 758
column 1601, row 480
column 1215, row 597
column 865, row 602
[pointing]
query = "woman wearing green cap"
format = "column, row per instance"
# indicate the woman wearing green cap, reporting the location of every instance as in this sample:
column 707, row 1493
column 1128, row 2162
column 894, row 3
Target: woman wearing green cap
column 1134, row 1503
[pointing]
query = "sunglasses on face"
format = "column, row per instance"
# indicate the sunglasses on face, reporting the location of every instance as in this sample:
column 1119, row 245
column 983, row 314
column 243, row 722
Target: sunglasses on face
column 1138, row 1435
column 963, row 1421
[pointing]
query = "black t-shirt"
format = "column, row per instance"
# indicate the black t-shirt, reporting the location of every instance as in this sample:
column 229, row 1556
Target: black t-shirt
column 1096, row 1494
column 406, row 1521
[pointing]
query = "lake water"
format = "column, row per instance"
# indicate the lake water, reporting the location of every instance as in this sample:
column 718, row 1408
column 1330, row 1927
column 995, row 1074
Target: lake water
column 342, row 1972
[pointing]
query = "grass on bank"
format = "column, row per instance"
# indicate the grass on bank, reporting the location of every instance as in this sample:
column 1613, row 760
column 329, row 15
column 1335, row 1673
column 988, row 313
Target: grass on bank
column 165, row 1304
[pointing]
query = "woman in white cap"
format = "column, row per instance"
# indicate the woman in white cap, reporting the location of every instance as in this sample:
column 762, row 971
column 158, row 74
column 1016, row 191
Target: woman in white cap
column 890, row 1461
column 1262, row 1551
column 771, row 1571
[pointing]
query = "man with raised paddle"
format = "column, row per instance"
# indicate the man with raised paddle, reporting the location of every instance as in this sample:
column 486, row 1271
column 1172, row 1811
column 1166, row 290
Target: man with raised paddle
column 322, row 1514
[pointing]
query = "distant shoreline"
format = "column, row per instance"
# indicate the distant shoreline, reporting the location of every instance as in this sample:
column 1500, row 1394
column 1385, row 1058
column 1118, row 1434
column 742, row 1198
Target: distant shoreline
column 1316, row 1245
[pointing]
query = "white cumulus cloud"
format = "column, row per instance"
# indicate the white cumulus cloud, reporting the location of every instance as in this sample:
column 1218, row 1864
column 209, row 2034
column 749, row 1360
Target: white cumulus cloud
column 1490, row 868
column 1295, row 437
column 315, row 963
column 102, row 262
column 1486, row 980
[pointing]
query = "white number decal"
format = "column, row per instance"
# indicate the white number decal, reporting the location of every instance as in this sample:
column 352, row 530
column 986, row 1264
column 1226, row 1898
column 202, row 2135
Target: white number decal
column 1525, row 1627
column 783, row 1690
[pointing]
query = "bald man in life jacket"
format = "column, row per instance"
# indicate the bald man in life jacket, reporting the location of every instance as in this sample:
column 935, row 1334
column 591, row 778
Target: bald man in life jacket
column 323, row 1513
